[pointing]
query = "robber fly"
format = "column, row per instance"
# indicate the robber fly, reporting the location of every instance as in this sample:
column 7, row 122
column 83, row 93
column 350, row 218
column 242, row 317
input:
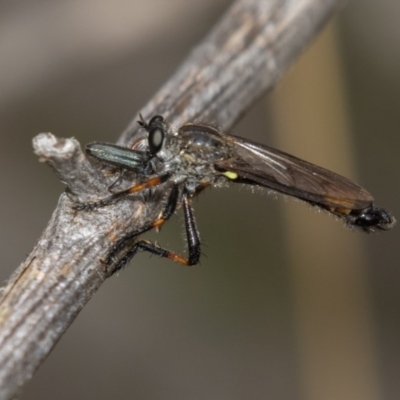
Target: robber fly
column 197, row 156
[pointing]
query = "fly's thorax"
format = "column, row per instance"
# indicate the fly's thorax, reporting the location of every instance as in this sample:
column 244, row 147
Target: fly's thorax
column 201, row 140
column 194, row 152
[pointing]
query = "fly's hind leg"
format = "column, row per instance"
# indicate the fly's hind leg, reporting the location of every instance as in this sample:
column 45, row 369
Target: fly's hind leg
column 144, row 245
column 121, row 243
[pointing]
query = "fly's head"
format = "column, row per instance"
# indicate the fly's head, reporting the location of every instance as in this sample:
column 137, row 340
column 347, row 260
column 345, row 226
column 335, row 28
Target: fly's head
column 159, row 143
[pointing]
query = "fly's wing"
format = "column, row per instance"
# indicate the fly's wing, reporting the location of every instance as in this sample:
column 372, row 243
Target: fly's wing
column 262, row 165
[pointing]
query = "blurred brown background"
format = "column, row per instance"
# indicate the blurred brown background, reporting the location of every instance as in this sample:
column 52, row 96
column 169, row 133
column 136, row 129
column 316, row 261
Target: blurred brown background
column 287, row 304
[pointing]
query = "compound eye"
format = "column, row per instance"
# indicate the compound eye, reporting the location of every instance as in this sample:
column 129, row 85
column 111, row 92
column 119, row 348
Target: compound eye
column 156, row 140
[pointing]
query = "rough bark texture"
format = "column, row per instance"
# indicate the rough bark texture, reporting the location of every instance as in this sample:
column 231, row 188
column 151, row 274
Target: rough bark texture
column 243, row 56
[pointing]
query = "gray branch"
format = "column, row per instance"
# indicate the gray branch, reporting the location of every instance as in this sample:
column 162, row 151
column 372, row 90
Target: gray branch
column 243, row 56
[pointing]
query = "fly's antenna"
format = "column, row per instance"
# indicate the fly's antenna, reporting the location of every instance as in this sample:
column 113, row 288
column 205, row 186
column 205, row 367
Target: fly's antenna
column 142, row 122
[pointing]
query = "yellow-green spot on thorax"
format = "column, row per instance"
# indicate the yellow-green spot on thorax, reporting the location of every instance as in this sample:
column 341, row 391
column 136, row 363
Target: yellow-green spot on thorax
column 230, row 174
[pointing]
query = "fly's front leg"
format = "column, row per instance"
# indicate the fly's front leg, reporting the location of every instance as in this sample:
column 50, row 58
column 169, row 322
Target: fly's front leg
column 152, row 182
column 144, row 245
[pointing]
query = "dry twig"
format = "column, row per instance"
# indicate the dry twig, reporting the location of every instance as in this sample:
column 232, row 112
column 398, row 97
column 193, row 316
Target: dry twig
column 244, row 55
